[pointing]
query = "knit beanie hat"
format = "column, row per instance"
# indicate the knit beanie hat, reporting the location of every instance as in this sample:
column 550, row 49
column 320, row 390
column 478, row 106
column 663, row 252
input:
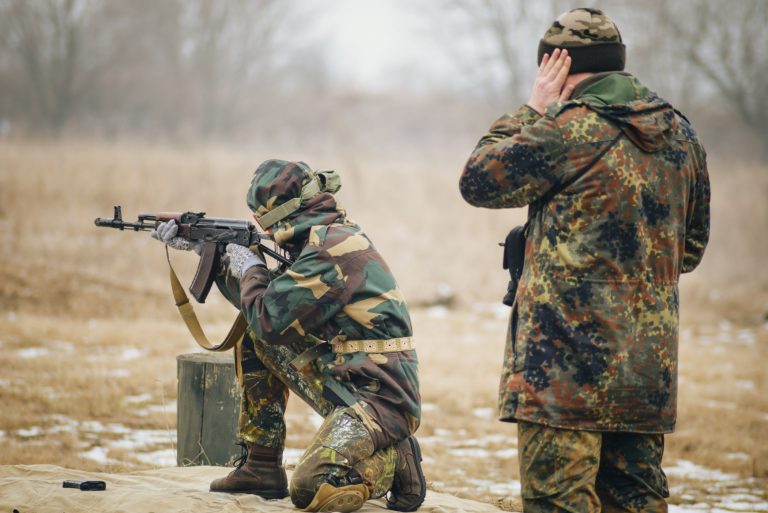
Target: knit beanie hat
column 592, row 39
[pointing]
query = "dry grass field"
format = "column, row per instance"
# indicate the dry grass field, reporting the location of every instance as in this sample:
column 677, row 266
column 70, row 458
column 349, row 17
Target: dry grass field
column 89, row 332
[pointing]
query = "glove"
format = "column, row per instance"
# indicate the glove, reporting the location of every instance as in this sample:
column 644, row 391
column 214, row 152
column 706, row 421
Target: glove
column 241, row 259
column 166, row 232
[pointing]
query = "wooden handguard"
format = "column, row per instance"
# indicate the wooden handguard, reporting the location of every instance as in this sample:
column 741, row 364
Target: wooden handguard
column 205, row 275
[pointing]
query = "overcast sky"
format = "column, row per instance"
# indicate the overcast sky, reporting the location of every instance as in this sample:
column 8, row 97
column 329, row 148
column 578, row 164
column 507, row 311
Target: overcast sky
column 381, row 44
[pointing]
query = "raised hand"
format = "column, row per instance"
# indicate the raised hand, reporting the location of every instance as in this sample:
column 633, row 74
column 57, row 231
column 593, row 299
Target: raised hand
column 549, row 85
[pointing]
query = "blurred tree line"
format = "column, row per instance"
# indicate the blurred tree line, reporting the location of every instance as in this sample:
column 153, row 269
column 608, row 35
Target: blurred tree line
column 708, row 57
column 146, row 66
column 214, row 68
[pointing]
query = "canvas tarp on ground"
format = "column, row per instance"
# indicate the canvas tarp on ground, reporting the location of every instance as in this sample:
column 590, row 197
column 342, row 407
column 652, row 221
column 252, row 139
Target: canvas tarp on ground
column 38, row 489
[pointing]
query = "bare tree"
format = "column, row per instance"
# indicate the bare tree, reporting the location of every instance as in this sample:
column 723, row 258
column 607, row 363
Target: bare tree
column 228, row 49
column 725, row 43
column 47, row 38
column 197, row 67
column 494, row 42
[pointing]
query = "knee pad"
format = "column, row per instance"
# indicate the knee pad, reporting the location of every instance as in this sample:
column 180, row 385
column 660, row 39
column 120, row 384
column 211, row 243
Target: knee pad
column 343, row 499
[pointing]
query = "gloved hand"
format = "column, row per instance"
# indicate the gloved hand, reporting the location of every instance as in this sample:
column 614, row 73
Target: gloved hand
column 166, row 232
column 241, row 259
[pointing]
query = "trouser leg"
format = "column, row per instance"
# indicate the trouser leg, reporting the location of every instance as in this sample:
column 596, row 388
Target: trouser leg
column 558, row 469
column 263, row 400
column 342, row 453
column 306, row 383
column 630, row 478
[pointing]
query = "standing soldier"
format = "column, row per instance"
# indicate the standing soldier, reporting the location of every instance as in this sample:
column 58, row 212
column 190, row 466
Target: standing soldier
column 618, row 194
column 363, row 381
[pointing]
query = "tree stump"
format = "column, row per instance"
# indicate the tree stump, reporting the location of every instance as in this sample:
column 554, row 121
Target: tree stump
column 208, row 409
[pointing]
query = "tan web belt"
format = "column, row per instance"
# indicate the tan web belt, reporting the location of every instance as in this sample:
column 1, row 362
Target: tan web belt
column 351, row 346
column 374, row 346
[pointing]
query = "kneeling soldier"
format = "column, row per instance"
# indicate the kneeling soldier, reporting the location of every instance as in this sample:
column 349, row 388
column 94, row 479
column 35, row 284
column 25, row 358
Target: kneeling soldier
column 363, row 381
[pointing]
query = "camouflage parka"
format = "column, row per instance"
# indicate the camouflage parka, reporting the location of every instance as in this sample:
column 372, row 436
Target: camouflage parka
column 593, row 338
column 339, row 288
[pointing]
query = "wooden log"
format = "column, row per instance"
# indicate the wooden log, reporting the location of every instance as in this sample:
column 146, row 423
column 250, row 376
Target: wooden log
column 208, row 409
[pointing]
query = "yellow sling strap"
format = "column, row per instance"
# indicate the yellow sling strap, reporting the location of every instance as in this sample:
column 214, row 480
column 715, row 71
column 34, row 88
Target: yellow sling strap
column 236, row 332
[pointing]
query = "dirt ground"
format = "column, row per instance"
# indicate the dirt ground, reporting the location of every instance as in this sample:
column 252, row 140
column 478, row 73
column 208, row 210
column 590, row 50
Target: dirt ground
column 89, row 332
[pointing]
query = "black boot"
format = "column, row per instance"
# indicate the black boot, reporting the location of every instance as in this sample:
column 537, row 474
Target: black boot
column 258, row 472
column 409, row 486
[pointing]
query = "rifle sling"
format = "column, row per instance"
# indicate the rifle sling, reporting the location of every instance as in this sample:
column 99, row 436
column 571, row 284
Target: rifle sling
column 236, row 332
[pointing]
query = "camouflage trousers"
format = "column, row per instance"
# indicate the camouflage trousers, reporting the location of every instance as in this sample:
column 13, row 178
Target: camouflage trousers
column 341, row 451
column 563, row 470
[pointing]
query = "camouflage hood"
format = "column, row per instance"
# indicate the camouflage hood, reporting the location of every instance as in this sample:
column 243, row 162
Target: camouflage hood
column 646, row 119
column 276, row 183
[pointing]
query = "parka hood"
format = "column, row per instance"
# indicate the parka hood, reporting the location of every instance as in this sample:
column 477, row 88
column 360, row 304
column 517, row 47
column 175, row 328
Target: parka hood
column 646, row 119
column 276, row 182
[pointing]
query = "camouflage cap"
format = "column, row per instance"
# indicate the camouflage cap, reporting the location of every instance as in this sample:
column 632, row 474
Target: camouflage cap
column 592, row 39
column 279, row 188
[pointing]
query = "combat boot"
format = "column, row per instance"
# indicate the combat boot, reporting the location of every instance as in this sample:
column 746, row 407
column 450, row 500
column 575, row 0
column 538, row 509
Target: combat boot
column 409, row 486
column 259, row 471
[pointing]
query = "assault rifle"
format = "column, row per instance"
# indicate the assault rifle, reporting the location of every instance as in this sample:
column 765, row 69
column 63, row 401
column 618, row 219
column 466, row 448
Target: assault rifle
column 213, row 232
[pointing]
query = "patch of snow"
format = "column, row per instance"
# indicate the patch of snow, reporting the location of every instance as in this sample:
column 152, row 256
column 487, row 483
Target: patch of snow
column 751, row 504
column 484, row 413
column 291, row 456
column 506, row 454
column 166, row 409
column 467, row 452
column 738, row 456
column 11, row 316
column 33, row 352
column 97, row 454
column 97, row 427
column 427, row 407
column 438, row 312
column 746, row 337
column 28, row 433
column 141, row 398
column 138, row 438
column 689, row 508
column 508, row 488
column 689, row 470
column 162, row 458
column 500, row 310
column 744, row 384
column 131, row 353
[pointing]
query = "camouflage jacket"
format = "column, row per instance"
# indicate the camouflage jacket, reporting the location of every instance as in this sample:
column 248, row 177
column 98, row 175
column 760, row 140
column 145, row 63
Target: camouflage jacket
column 338, row 289
column 593, row 344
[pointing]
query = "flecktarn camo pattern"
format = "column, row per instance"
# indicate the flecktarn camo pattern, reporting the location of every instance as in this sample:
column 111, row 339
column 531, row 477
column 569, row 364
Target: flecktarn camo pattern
column 339, row 288
column 606, row 471
column 582, row 27
column 595, row 343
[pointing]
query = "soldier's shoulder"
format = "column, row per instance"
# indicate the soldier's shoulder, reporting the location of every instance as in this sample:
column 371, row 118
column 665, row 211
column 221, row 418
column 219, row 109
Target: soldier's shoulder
column 339, row 239
column 685, row 130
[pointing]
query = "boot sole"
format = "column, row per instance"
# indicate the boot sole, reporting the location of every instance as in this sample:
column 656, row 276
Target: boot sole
column 343, row 503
